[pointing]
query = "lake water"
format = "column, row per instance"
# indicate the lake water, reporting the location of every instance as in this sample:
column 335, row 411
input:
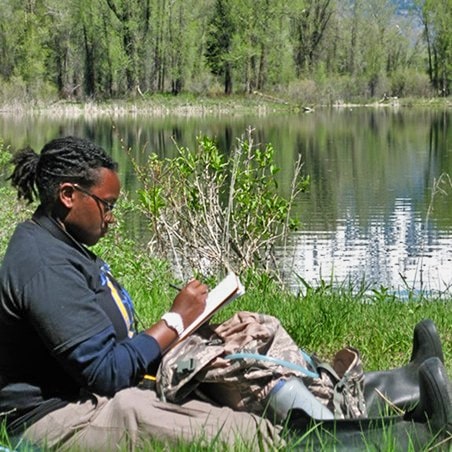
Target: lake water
column 379, row 206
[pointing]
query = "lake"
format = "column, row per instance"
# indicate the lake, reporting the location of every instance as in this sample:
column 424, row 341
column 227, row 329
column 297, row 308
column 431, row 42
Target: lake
column 378, row 209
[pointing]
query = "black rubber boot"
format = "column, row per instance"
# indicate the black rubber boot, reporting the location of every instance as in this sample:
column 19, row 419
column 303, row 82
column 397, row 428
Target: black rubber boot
column 435, row 404
column 428, row 426
column 400, row 387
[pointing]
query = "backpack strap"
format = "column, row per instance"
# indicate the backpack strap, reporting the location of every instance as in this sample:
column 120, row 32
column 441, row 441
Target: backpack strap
column 277, row 361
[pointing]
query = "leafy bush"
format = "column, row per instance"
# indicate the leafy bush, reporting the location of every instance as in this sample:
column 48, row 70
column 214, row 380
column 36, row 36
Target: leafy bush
column 407, row 83
column 209, row 212
column 15, row 92
column 303, row 92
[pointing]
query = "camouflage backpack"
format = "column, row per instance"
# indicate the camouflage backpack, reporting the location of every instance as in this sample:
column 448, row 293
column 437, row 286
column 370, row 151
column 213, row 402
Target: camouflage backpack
column 239, row 362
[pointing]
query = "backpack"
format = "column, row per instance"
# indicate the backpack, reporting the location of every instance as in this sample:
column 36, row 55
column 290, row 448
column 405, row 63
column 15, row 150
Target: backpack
column 238, row 363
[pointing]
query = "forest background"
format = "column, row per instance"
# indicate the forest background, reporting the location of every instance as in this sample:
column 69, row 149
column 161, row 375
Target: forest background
column 296, row 51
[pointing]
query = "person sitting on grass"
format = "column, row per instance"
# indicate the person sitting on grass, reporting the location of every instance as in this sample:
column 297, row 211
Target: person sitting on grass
column 70, row 359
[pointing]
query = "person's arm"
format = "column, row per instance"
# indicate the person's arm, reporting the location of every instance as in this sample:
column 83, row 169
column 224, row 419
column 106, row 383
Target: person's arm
column 189, row 304
column 103, row 365
column 106, row 366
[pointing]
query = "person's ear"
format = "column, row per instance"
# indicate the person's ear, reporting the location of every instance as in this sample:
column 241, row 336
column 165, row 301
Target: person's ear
column 66, row 194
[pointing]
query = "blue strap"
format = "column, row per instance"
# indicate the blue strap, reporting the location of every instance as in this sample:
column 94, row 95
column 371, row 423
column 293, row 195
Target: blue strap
column 308, row 358
column 279, row 362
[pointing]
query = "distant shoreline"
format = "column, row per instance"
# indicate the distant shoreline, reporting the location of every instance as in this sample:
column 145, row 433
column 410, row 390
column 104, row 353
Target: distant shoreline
column 188, row 106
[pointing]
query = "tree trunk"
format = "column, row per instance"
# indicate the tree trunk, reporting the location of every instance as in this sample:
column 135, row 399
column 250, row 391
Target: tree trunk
column 227, row 79
column 90, row 83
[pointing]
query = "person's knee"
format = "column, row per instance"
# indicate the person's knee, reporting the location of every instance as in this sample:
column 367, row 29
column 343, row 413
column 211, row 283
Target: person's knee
column 127, row 406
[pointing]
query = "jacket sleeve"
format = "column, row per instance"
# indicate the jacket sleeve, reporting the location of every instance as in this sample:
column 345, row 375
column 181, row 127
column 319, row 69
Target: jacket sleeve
column 105, row 366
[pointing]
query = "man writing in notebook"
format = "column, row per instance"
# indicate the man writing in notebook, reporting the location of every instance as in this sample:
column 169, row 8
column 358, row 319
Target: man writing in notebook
column 70, row 359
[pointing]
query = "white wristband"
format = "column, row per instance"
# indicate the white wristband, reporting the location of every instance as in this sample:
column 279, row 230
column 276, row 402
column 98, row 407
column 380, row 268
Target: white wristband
column 174, row 321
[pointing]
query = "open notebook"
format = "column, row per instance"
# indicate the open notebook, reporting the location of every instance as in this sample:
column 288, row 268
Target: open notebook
column 227, row 290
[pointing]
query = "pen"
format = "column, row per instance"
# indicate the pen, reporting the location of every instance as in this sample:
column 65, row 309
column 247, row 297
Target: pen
column 175, row 287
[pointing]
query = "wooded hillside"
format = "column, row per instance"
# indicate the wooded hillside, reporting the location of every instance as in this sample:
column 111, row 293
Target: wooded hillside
column 337, row 50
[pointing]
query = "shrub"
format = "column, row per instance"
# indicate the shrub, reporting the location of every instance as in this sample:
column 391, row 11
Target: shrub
column 408, row 83
column 213, row 212
column 303, row 92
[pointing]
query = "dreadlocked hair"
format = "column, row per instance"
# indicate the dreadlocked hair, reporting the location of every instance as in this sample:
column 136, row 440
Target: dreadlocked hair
column 67, row 159
column 23, row 177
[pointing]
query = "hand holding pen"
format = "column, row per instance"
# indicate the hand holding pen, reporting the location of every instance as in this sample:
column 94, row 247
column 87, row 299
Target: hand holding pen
column 175, row 287
column 190, row 302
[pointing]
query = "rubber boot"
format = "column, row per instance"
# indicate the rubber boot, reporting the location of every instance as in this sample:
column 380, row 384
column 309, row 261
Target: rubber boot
column 400, row 387
column 428, row 426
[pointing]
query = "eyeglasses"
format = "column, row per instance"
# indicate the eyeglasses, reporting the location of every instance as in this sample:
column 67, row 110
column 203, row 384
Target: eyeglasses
column 108, row 206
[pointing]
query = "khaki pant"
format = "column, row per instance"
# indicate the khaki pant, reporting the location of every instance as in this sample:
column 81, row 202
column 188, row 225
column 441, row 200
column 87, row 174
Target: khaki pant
column 134, row 415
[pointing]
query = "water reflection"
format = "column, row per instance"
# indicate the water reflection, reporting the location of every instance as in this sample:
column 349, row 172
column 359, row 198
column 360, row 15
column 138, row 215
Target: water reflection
column 401, row 252
column 369, row 214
